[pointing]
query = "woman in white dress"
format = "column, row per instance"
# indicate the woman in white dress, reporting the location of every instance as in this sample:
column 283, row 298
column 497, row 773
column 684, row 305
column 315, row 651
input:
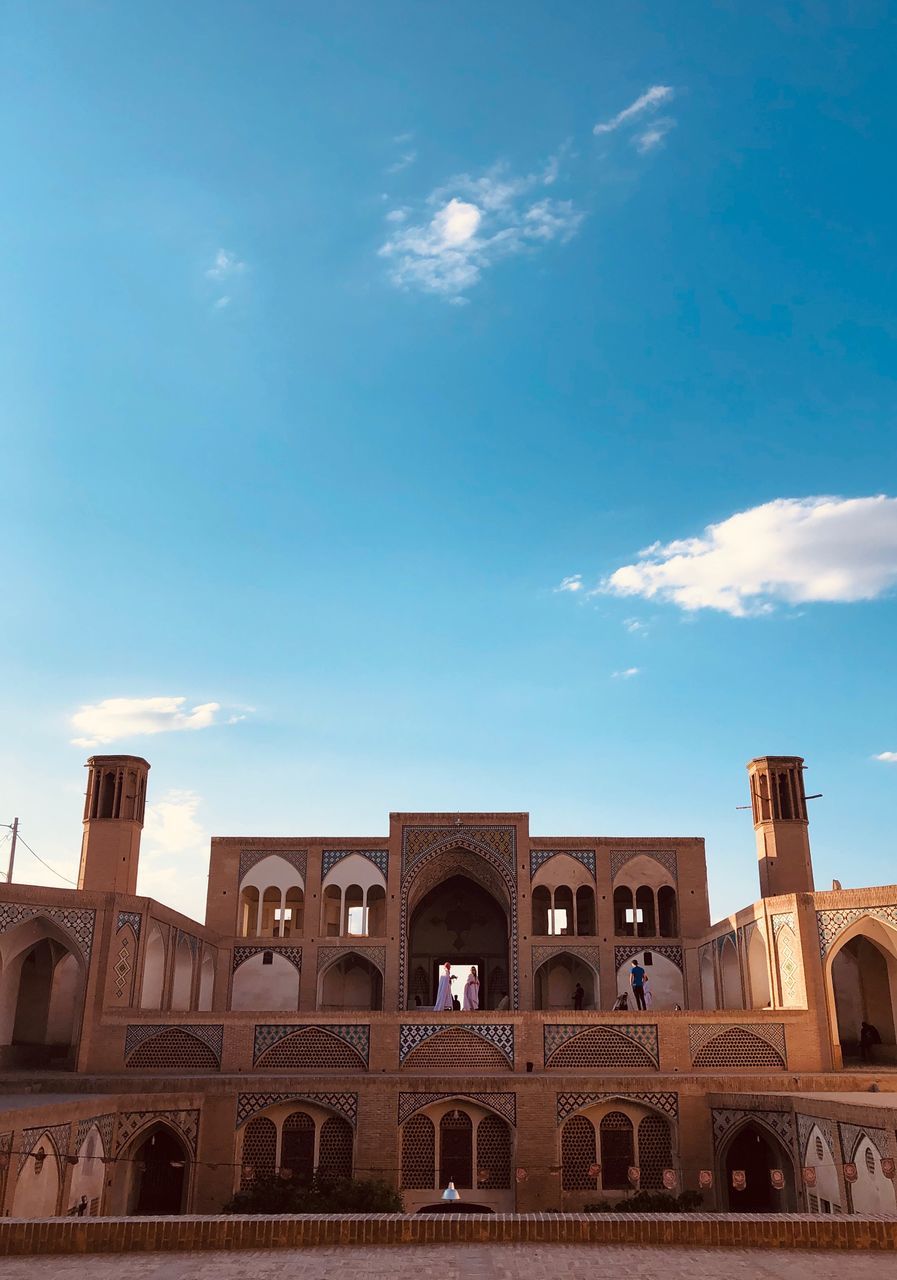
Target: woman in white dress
column 472, row 990
column 444, row 993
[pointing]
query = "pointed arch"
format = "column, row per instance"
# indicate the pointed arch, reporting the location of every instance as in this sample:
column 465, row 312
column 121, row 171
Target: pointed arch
column 154, row 957
column 758, row 969
column 861, row 987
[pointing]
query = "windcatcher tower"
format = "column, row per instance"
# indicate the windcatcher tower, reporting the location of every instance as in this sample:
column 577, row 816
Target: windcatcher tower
column 779, row 805
column 113, row 821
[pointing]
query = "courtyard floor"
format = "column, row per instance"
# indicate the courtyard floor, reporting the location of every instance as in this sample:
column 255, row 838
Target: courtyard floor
column 460, row 1262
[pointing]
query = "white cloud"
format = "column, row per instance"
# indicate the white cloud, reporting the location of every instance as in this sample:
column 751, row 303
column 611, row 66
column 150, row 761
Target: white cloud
column 116, row 718
column 226, row 264
column 571, row 583
column 650, row 100
column 404, row 161
column 475, row 222
column 635, row 627
column 626, row 674
column 653, row 136
column 397, row 215
column 174, row 853
column 222, row 302
column 888, row 757
column 791, row 550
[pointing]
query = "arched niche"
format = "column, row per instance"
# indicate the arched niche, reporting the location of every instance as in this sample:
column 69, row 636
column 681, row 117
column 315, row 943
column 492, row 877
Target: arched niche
column 88, row 1175
column 206, row 981
column 872, row 1193
column 271, row 900
column 42, row 984
column 754, row 1150
column 182, row 981
column 38, row 1183
column 351, row 981
column 265, row 981
column 563, row 898
column 708, row 980
column 600, row 1144
column 730, row 976
column 862, row 975
column 153, row 969
column 825, row 1197
column 664, row 979
column 460, row 920
column 645, row 903
column 455, row 1139
column 354, row 899
column 158, row 1165
column 758, row 970
column 297, row 1135
column 556, row 979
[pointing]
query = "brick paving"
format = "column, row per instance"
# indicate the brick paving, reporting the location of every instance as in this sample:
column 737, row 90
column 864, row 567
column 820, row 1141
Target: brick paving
column 460, row 1262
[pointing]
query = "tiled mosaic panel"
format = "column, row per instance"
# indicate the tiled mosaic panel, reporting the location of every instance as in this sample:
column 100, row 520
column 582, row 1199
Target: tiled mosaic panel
column 619, row 858
column 455, row 1049
column 77, row 922
column 725, row 1119
column 501, row 1035
column 242, row 954
column 297, row 858
column 569, row 1103
column 133, row 918
column 376, row 955
column 249, row 1104
column 335, row 1148
column 805, row 1126
column 538, row 857
column 782, row 919
column 588, row 955
column 500, row 841
column 504, row 1103
column 124, row 946
column 578, row 1154
column 104, row 1124
column 173, row 1050
column 59, row 1137
column 786, row 955
column 418, row 1154
column 600, row 1048
column 312, row 1049
column 131, row 1122
column 493, row 1163
column 721, row 939
column 852, row 1135
column 624, row 954
column 655, row 1151
column 259, row 1155
column 736, row 1045
column 356, row 1035
column 330, row 857
column 209, row 1034
column 832, row 923
column 191, row 940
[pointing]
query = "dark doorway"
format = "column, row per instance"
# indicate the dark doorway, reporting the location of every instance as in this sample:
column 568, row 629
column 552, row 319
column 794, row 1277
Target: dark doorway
column 617, row 1151
column 298, row 1146
column 159, row 1174
column 861, row 981
column 756, row 1153
column 460, row 922
column 456, row 1150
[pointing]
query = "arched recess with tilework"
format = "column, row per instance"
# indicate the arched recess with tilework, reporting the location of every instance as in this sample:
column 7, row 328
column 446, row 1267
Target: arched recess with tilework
column 312, row 1049
column 457, row 1139
column 455, row 1049
column 600, row 1142
column 861, row 987
column 42, row 982
column 298, row 1134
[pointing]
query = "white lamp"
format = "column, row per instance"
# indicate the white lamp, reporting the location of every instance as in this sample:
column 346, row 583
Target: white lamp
column 450, row 1193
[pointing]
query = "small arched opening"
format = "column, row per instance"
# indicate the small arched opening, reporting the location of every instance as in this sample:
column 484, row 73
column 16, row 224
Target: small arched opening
column 556, row 981
column 667, row 912
column 758, row 971
column 708, row 980
column 645, row 915
column 864, row 985
column 351, row 982
column 159, row 1165
column 750, row 1159
column 624, row 912
column 730, row 975
column 153, row 970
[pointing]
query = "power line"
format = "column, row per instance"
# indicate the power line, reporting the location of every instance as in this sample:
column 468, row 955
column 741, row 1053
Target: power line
column 45, row 864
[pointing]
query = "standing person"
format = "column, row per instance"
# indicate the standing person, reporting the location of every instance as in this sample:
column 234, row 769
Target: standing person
column 444, row 994
column 637, row 982
column 578, row 996
column 649, row 995
column 456, row 1004
column 472, row 991
column 868, row 1037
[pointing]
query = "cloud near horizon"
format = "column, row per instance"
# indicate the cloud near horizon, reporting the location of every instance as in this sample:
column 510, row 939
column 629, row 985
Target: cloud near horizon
column 116, row 718
column 790, row 551
column 174, row 855
column 470, row 224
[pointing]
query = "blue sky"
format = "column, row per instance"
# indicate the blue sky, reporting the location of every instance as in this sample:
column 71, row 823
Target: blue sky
column 339, row 342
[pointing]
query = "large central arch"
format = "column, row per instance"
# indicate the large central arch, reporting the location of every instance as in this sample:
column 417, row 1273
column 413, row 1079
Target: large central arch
column 482, row 871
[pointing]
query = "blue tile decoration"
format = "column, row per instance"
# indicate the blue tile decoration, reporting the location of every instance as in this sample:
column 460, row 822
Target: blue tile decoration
column 357, row 1036
column 666, row 858
column 185, row 1120
column 500, row 1034
column 78, row 922
column 539, row 856
column 293, row 954
column 211, row 1034
column 376, row 955
column 832, row 923
column 133, row 918
column 644, row 1034
column 505, row 1104
column 623, row 954
column 569, row 1103
column 330, row 857
column 250, row 1104
column 297, row 858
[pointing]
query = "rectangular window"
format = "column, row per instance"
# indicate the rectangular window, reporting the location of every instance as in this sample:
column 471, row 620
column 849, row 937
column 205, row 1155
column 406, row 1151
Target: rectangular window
column 635, row 915
column 557, row 921
column 357, row 921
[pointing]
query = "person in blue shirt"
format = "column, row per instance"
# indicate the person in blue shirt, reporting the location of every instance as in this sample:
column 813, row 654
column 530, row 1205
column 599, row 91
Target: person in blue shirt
column 637, row 982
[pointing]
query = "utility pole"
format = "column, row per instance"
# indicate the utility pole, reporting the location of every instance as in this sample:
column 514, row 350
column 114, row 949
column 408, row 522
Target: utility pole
column 12, row 849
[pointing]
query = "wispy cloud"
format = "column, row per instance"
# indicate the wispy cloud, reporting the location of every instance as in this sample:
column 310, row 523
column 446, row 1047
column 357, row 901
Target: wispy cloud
column 471, row 223
column 226, row 264
column 405, row 161
column 397, row 215
column 887, row 757
column 653, row 136
column 115, row 719
column 650, row 100
column 571, row 583
column 635, row 627
column 626, row 674
column 791, row 550
column 174, row 853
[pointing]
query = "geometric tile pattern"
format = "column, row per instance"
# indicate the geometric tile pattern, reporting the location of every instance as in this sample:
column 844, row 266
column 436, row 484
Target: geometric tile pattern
column 124, row 962
column 133, row 918
column 250, row 1104
column 722, row 938
column 501, row 842
column 58, row 1133
column 619, row 858
column 104, row 1124
column 501, row 1035
column 569, row 1103
column 783, row 918
column 852, row 1135
column 831, row 923
column 622, row 954
column 357, row 1036
column 726, row 1118
column 173, row 1049
column 805, row 1125
column 786, row 954
column 292, row 954
column 295, row 857
column 587, row 954
column 210, row 1034
column 641, row 1033
column 330, row 857
column 376, row 955
column 539, row 856
column 192, row 943
column 185, row 1121
column 738, row 1037
column 503, row 1103
column 78, row 922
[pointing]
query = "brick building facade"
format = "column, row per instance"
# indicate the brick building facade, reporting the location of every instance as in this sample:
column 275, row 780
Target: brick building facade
column 150, row 1063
